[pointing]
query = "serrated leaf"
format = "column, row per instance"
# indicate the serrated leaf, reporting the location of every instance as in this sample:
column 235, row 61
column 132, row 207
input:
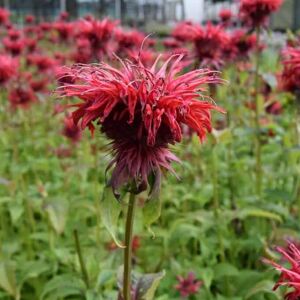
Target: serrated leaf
column 110, row 210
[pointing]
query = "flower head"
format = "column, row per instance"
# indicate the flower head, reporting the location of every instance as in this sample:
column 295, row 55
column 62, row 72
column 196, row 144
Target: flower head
column 182, row 32
column 98, row 33
column 290, row 77
column 140, row 110
column 225, row 15
column 29, row 19
column 188, row 286
column 289, row 277
column 4, row 16
column 64, row 30
column 209, row 41
column 242, row 43
column 21, row 96
column 256, row 12
column 8, row 68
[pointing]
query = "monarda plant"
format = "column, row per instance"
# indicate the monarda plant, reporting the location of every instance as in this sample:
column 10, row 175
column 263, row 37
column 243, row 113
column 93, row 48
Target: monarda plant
column 255, row 14
column 141, row 111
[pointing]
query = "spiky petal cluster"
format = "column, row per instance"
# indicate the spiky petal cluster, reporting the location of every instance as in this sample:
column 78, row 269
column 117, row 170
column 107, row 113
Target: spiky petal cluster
column 289, row 277
column 98, row 33
column 188, row 286
column 242, row 43
column 209, row 42
column 141, row 111
column 290, row 77
column 256, row 12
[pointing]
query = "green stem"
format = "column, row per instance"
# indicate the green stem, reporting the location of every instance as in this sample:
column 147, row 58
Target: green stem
column 216, row 202
column 81, row 261
column 297, row 139
column 128, row 248
column 257, row 124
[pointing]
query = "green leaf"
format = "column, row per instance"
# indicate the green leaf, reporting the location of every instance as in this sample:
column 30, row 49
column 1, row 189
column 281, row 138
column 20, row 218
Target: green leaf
column 63, row 286
column 207, row 276
column 8, row 279
column 151, row 212
column 32, row 269
column 147, row 285
column 57, row 212
column 259, row 213
column 264, row 286
column 225, row 269
column 110, row 210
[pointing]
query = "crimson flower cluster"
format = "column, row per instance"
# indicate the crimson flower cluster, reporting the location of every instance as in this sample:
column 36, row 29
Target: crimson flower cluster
column 141, row 111
column 290, row 277
column 255, row 13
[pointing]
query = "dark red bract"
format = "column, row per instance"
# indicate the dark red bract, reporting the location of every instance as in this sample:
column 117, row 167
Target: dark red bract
column 140, row 110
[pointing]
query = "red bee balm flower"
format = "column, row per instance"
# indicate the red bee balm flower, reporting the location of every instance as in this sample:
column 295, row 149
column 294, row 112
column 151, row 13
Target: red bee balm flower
column 21, row 96
column 256, row 12
column 8, row 68
column 140, row 110
column 225, row 15
column 290, row 77
column 188, row 286
column 289, row 277
column 4, row 16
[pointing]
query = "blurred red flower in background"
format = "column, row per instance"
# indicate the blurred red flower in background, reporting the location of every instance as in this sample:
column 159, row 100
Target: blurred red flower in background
column 225, row 16
column 4, row 16
column 22, row 96
column 98, row 33
column 71, row 130
column 290, row 77
column 255, row 13
column 29, row 19
column 188, row 286
column 8, row 68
